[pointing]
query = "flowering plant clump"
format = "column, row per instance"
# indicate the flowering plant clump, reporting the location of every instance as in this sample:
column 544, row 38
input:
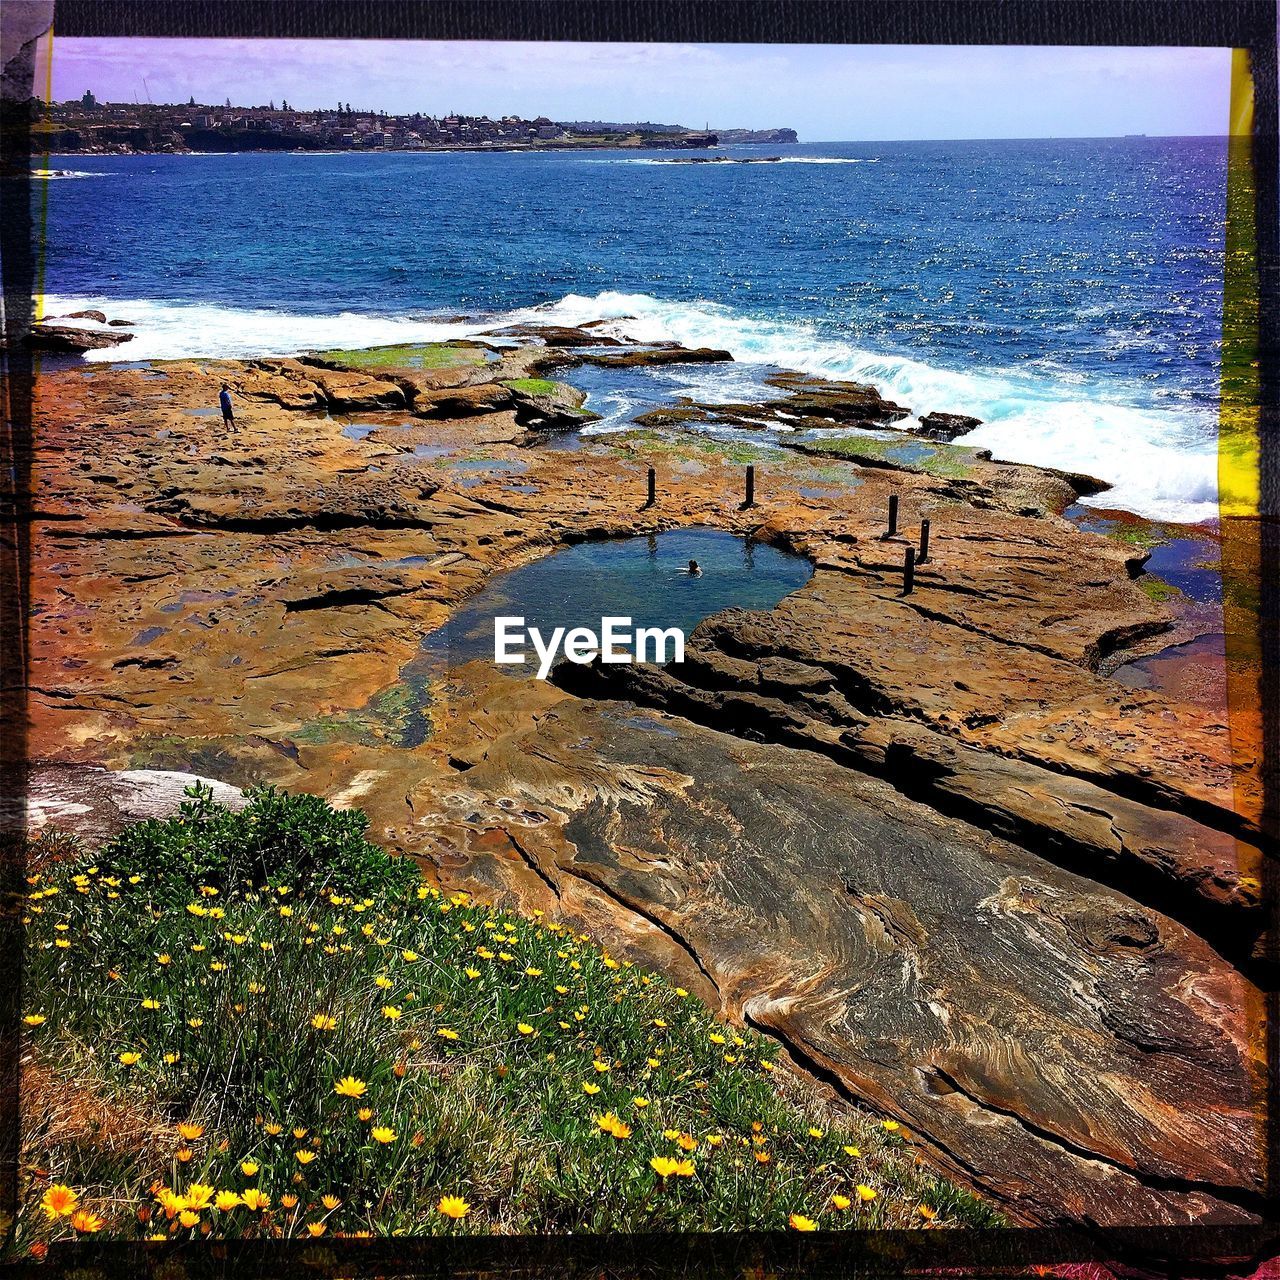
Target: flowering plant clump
column 528, row 1081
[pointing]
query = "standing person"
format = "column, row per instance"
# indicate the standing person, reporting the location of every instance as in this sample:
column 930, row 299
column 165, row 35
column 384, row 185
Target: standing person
column 224, row 399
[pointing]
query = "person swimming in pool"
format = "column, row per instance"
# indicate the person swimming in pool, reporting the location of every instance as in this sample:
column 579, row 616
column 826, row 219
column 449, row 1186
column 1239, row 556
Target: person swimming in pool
column 694, row 570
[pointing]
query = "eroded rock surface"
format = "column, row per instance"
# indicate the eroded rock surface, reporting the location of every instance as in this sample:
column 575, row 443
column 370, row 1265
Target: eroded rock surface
column 918, row 837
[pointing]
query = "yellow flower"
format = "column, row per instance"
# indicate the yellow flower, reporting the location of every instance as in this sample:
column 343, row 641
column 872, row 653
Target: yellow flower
column 34, row 1019
column 227, row 1200
column 330, row 1202
column 454, row 1207
column 681, row 992
column 191, row 1131
column 766, row 1065
column 716, row 1038
column 315, row 1228
column 86, row 1222
column 524, row 1029
column 129, row 1059
column 383, row 1135
column 304, row 1156
column 531, row 972
column 323, row 1022
column 171, row 1058
column 350, row 1087
column 892, row 1126
column 364, row 1114
column 713, row 1139
column 60, row 1201
column 199, row 1196
column 473, row 974
column 410, row 956
column 255, row 1199
column 654, row 1062
column 659, row 1022
column 299, row 1133
column 600, row 1065
column 926, row 1212
column 390, row 1011
column 273, row 1127
column 640, row 1102
column 852, row 1151
column 683, row 1169
column 195, row 1023
column 383, row 982
column 798, row 1222
column 610, row 1124
column 249, row 1168
column 866, row 1193
column 446, row 1033
column 841, row 1202
column 663, row 1166
column 589, row 1088
column 815, row 1133
column 188, row 1218
column 687, row 1142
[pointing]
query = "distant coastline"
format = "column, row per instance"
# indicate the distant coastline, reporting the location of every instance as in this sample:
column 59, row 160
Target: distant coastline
column 86, row 126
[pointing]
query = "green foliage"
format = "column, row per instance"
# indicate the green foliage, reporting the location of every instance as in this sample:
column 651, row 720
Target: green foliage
column 352, row 1055
column 279, row 836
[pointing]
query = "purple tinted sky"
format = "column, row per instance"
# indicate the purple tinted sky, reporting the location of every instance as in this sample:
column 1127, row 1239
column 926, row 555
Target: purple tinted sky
column 827, row 92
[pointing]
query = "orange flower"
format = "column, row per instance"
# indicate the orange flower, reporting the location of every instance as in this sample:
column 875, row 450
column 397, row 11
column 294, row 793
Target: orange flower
column 798, row 1222
column 191, row 1131
column 60, row 1201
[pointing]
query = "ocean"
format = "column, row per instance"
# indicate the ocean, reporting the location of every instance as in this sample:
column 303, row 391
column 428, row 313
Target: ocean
column 1067, row 292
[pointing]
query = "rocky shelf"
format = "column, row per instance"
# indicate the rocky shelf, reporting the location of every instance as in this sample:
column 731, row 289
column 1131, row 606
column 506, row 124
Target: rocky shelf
column 958, row 873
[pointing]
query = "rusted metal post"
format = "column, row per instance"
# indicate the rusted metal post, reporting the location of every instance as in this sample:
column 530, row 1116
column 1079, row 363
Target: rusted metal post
column 751, row 487
column 653, row 487
column 908, row 570
column 893, row 516
column 924, row 542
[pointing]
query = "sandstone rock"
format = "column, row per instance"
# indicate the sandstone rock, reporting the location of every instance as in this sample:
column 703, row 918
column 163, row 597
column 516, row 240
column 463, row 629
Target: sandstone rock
column 95, row 804
column 947, row 426
column 50, row 336
column 1063, row 1047
column 87, row 315
column 643, row 356
column 463, row 402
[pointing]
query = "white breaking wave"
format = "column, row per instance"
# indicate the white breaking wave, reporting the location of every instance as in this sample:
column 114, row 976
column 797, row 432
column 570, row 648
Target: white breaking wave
column 1161, row 463
column 182, row 330
column 65, row 173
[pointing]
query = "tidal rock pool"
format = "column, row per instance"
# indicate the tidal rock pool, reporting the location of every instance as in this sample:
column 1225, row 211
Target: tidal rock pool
column 641, row 578
column 644, row 579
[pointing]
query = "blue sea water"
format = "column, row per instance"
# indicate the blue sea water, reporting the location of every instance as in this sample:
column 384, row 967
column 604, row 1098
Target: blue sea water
column 1067, row 292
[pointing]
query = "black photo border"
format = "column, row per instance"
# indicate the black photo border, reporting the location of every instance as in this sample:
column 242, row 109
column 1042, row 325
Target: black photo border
column 1193, row 1250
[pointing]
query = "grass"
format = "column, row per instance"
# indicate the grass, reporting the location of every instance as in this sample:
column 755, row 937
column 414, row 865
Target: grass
column 413, row 355
column 283, row 1031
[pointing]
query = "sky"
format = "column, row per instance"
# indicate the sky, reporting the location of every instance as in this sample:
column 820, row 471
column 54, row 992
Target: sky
column 825, row 92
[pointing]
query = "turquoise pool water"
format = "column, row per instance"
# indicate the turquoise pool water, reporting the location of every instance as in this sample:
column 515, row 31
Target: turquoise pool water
column 643, row 578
